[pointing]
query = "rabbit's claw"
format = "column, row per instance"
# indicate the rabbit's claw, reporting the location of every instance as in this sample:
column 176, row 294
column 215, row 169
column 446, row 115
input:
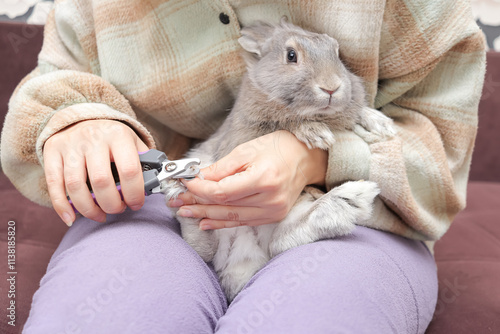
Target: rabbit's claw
column 315, row 135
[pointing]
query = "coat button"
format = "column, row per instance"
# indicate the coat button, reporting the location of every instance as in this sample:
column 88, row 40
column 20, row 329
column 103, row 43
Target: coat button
column 224, row 18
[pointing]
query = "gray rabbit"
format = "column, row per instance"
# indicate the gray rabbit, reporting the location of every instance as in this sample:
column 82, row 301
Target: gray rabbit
column 295, row 81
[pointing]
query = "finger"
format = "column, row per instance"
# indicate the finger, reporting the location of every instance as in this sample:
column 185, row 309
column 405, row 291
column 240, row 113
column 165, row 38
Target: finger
column 53, row 167
column 219, row 212
column 141, row 147
column 186, row 198
column 256, row 200
column 129, row 168
column 229, row 189
column 211, row 224
column 75, row 181
column 102, row 181
column 231, row 164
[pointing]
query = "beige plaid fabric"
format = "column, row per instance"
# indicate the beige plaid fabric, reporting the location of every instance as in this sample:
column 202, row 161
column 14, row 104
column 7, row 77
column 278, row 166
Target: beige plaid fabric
column 171, row 70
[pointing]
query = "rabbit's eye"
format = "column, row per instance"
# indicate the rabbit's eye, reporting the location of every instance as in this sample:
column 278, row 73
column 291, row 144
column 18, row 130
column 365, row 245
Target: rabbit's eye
column 291, row 56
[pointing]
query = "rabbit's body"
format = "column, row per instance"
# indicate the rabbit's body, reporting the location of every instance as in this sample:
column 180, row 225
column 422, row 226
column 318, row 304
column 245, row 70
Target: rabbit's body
column 308, row 95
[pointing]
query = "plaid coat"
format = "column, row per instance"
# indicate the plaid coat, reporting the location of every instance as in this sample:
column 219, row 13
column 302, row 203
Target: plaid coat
column 171, row 69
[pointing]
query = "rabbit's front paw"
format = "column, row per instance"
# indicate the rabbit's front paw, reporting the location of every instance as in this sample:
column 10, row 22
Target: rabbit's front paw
column 173, row 188
column 377, row 123
column 315, row 135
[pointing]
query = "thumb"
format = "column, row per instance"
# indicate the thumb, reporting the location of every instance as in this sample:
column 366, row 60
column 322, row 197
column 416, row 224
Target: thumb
column 229, row 165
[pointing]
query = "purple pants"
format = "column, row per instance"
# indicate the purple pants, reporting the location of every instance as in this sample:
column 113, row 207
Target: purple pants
column 135, row 274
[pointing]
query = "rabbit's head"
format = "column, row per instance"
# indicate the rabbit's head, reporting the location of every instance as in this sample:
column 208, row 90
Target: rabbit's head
column 298, row 68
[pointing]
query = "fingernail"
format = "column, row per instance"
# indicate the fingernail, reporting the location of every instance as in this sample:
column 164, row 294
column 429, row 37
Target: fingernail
column 183, row 212
column 136, row 207
column 176, row 203
column 205, row 226
column 186, row 181
column 66, row 217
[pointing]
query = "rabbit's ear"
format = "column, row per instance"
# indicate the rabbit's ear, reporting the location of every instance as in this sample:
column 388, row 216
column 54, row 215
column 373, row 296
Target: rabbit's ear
column 253, row 37
column 250, row 44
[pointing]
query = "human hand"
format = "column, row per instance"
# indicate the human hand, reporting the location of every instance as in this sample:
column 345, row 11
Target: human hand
column 86, row 149
column 257, row 183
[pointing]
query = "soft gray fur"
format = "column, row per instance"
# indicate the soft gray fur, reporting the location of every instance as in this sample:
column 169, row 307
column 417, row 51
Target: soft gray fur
column 280, row 95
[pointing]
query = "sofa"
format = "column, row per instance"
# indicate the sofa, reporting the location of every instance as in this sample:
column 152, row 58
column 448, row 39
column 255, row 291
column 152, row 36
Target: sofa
column 468, row 256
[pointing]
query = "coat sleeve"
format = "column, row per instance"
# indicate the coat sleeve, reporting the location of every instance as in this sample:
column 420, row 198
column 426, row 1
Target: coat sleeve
column 65, row 88
column 423, row 171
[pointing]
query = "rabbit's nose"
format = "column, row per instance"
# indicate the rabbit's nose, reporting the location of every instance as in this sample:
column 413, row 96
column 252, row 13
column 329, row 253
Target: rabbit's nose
column 328, row 91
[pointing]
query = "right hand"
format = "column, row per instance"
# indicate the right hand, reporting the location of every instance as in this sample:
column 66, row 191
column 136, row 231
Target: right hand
column 86, row 149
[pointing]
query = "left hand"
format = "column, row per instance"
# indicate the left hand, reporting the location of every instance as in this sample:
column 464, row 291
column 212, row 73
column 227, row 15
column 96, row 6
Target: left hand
column 257, row 183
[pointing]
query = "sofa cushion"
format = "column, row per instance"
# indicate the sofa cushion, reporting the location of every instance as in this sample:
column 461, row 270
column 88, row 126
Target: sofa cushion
column 486, row 156
column 468, row 259
column 19, row 48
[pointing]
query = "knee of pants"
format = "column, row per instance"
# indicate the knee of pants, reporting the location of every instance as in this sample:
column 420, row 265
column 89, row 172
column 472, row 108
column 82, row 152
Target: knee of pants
column 123, row 275
column 370, row 282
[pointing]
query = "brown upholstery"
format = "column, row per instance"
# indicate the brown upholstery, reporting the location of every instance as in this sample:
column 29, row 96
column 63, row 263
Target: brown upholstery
column 468, row 256
column 468, row 259
column 486, row 157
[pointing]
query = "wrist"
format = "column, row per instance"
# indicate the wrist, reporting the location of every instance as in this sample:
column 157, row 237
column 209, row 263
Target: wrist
column 313, row 163
column 314, row 168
